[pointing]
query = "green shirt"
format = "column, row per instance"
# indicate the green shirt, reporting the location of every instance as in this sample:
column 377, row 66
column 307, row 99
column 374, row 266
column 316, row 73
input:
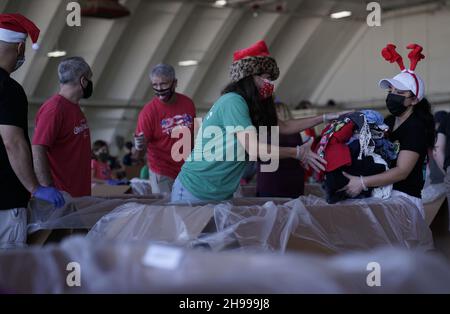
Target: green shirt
column 144, row 175
column 215, row 167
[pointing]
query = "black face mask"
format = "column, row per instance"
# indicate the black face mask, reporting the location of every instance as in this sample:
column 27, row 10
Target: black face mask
column 103, row 157
column 395, row 104
column 88, row 90
column 165, row 94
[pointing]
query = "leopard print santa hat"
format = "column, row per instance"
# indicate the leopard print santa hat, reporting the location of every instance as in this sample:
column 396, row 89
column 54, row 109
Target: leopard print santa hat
column 254, row 60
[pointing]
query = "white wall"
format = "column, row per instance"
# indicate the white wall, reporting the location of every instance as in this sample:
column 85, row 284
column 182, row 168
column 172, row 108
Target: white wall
column 355, row 75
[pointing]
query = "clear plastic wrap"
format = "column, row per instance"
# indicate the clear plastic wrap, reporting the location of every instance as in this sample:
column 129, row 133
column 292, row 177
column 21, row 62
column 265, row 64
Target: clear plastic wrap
column 250, row 228
column 361, row 224
column 141, row 187
column 433, row 192
column 112, row 267
column 78, row 213
column 162, row 223
column 347, row 226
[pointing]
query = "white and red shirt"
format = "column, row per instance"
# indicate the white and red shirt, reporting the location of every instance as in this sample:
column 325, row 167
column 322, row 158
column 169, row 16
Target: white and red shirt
column 157, row 120
column 62, row 127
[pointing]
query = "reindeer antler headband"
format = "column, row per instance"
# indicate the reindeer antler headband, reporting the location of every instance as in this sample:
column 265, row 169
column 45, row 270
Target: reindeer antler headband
column 415, row 55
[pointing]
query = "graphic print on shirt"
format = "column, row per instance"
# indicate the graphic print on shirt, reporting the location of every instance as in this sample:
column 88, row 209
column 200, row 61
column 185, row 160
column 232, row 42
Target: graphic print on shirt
column 396, row 147
column 425, row 162
column 83, row 126
column 169, row 124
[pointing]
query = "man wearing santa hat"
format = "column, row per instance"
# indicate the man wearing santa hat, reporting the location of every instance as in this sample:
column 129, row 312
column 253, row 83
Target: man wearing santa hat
column 17, row 178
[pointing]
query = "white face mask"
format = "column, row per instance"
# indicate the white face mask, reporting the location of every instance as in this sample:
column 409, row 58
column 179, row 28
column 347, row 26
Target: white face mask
column 19, row 63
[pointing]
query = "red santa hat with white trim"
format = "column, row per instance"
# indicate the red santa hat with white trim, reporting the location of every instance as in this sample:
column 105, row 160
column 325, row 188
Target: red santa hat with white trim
column 407, row 79
column 15, row 28
column 254, row 60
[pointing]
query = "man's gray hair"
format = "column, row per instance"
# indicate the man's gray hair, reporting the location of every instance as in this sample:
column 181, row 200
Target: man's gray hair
column 163, row 70
column 70, row 70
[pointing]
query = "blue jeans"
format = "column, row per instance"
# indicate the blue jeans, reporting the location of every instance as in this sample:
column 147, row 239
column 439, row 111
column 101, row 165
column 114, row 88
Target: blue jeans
column 180, row 195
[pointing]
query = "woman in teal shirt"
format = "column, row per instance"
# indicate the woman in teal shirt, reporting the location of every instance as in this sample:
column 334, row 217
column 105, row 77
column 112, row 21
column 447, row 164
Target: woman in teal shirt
column 231, row 132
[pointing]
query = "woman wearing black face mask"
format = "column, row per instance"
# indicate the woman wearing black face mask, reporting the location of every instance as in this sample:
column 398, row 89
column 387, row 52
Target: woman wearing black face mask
column 101, row 171
column 411, row 128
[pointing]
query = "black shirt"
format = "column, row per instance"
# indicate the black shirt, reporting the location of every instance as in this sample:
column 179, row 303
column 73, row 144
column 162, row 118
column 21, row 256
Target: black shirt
column 288, row 180
column 14, row 112
column 410, row 135
column 444, row 128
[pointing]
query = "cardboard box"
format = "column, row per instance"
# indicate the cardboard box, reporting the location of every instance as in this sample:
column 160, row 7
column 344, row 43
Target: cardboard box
column 164, row 223
column 78, row 213
column 432, row 208
column 244, row 223
column 104, row 190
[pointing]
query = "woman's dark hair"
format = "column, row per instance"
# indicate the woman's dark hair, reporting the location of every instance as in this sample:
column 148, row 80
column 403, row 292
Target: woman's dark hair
column 129, row 145
column 423, row 110
column 97, row 145
column 262, row 112
column 440, row 116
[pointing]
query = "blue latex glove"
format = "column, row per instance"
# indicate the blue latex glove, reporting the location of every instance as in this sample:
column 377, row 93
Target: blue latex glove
column 50, row 195
column 113, row 182
column 117, row 182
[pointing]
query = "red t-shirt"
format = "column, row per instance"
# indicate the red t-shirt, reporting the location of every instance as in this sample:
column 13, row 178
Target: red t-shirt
column 102, row 170
column 62, row 127
column 157, row 121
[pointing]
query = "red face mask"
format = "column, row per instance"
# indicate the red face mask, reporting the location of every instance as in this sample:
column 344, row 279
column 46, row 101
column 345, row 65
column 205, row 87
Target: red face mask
column 267, row 89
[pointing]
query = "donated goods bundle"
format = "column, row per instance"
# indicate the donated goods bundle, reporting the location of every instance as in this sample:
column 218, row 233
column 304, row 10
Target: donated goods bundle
column 356, row 144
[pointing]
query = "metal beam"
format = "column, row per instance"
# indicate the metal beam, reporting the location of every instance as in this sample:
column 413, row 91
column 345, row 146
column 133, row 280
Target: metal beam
column 111, row 40
column 315, row 55
column 231, row 18
column 50, row 16
column 337, row 63
column 171, row 36
column 126, row 74
column 246, row 31
column 4, row 5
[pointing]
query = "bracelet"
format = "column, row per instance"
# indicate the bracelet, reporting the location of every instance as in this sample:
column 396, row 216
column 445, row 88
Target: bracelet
column 363, row 185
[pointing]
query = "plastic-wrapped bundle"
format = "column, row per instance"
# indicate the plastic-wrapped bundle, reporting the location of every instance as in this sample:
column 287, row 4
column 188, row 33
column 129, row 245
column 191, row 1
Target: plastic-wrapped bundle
column 141, row 187
column 351, row 225
column 250, row 228
column 255, row 227
column 78, row 213
column 107, row 267
column 310, row 224
column 163, row 223
column 361, row 224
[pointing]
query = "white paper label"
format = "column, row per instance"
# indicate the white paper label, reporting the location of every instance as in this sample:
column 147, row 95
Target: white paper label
column 164, row 257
